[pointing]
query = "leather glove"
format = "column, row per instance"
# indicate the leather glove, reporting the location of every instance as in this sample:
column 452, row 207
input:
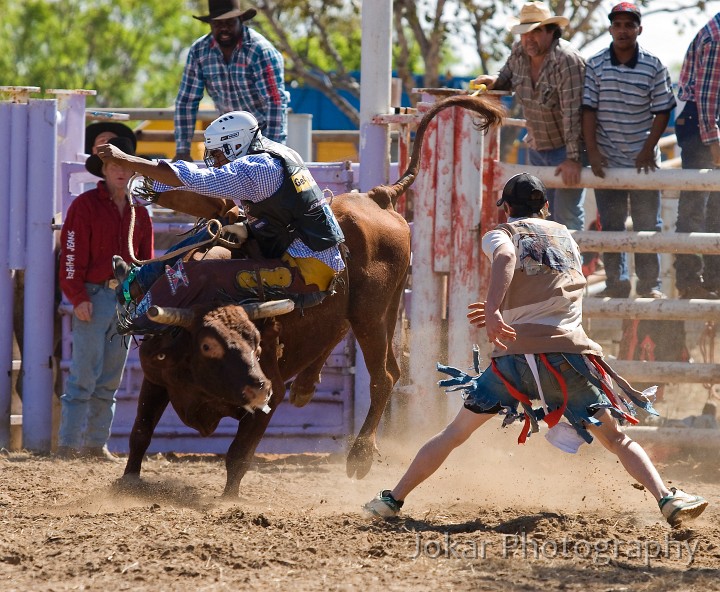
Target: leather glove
column 235, row 233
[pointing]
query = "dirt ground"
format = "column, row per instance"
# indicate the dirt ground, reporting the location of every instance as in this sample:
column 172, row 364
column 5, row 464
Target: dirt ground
column 497, row 517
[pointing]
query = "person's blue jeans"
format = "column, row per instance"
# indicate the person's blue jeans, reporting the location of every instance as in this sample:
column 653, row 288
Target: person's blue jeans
column 698, row 211
column 88, row 402
column 567, row 206
column 146, row 274
column 644, row 207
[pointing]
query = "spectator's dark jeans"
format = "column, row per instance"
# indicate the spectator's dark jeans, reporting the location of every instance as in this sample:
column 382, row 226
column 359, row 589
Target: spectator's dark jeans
column 698, row 211
column 612, row 205
column 567, row 204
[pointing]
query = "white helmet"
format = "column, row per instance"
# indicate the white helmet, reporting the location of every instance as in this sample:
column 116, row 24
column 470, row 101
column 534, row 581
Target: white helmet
column 233, row 133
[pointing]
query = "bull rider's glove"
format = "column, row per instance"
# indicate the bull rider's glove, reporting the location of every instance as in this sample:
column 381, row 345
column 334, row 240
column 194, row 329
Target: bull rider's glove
column 142, row 188
column 235, row 233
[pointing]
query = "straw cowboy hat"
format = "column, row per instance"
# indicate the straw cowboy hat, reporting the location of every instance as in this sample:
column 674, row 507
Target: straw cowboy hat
column 226, row 9
column 532, row 16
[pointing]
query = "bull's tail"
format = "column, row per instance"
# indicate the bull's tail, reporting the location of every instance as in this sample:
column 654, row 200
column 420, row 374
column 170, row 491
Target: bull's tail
column 491, row 113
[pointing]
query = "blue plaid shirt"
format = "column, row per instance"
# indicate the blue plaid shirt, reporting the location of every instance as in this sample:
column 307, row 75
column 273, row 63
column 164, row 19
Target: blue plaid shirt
column 254, row 177
column 252, row 81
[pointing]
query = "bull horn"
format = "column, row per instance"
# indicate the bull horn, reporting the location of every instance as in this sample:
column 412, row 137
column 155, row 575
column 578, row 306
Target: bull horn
column 182, row 317
column 263, row 310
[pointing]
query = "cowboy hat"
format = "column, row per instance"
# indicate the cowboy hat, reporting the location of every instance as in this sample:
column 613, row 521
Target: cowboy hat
column 119, row 129
column 226, row 9
column 532, row 16
column 94, row 164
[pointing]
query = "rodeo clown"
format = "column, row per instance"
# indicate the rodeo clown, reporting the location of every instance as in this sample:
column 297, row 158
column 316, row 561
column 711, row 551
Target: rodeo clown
column 533, row 316
column 293, row 228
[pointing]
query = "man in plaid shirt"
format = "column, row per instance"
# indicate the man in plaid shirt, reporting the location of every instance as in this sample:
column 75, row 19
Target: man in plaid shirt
column 698, row 136
column 241, row 71
column 547, row 76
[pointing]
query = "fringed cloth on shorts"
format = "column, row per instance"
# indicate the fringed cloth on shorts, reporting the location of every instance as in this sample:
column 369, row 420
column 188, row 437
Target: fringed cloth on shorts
column 612, row 392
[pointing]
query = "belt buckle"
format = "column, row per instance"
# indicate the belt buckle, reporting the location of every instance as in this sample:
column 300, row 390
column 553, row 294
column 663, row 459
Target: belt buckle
column 112, row 284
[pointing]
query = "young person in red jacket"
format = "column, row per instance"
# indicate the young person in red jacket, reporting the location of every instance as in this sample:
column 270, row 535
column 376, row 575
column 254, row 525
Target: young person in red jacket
column 96, row 227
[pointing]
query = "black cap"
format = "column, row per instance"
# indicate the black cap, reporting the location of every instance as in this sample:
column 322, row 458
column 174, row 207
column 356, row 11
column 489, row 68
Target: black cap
column 94, row 164
column 93, row 130
column 524, row 189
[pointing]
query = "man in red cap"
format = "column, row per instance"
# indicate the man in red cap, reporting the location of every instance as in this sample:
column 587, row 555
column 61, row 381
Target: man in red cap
column 627, row 103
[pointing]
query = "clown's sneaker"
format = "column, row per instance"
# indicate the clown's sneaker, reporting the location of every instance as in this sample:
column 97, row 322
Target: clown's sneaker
column 680, row 506
column 383, row 505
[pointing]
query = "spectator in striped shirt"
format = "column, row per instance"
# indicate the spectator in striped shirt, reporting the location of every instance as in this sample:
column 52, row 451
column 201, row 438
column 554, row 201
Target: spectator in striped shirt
column 241, row 71
column 547, row 74
column 698, row 136
column 627, row 103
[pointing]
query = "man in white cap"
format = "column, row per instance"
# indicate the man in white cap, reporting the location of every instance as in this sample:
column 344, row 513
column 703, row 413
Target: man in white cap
column 547, row 76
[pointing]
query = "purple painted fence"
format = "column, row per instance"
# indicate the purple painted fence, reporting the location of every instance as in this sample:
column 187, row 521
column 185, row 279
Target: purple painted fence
column 323, row 425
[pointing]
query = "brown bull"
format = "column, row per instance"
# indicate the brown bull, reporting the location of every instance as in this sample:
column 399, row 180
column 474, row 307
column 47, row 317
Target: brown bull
column 207, row 369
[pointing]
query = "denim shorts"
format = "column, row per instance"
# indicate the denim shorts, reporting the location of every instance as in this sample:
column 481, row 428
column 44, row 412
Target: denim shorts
column 490, row 395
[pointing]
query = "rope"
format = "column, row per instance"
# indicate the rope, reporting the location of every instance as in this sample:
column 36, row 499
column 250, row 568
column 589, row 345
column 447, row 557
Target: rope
column 213, row 226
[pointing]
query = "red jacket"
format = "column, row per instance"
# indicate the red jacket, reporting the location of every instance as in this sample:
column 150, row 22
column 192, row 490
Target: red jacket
column 92, row 233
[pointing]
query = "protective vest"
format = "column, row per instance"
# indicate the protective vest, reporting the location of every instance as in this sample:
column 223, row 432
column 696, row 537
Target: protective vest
column 296, row 210
column 544, row 300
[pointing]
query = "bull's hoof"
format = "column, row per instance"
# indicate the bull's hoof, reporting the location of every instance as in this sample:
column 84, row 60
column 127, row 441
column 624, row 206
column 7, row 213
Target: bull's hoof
column 299, row 397
column 231, row 494
column 130, row 483
column 360, row 459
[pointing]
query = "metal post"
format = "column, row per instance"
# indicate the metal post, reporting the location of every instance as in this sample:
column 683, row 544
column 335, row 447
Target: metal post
column 374, row 152
column 375, row 83
column 40, row 276
column 299, row 136
column 70, row 127
column 489, row 213
column 19, row 158
column 466, row 252
column 427, row 291
column 6, row 280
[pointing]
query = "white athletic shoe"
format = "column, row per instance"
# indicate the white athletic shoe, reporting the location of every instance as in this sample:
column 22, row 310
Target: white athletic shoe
column 680, row 506
column 383, row 505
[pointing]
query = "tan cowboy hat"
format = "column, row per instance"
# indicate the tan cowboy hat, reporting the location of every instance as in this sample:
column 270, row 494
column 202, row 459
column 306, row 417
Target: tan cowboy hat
column 532, row 16
column 226, row 9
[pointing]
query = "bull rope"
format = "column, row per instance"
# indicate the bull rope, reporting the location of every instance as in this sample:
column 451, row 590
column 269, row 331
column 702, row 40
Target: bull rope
column 213, row 226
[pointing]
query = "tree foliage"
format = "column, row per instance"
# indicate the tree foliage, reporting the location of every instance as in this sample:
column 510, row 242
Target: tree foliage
column 129, row 51
column 132, row 51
